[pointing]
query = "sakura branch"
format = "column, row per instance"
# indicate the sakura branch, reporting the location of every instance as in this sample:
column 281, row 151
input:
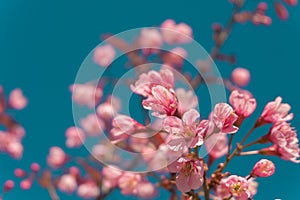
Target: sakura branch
column 171, row 146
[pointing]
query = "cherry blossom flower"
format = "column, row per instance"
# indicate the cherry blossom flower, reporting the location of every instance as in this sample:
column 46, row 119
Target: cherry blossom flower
column 238, row 187
column 111, row 176
column 104, row 55
column 276, row 111
column 183, row 131
column 35, row 167
column 92, row 125
column 243, row 102
column 263, row 168
column 163, row 102
column 176, row 33
column 189, row 174
column 88, row 190
column 75, row 137
column 146, row 189
column 17, row 100
column 286, row 142
column 147, row 81
column 281, row 10
column 186, row 100
column 123, row 126
column 224, row 118
column 109, row 109
column 150, row 39
column 240, row 76
column 56, row 157
column 26, row 184
column 129, row 183
column 67, row 183
column 8, row 185
column 175, row 57
column 86, row 94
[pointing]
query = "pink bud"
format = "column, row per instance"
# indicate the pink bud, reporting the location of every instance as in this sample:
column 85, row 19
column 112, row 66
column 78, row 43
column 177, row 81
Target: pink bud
column 263, row 168
column 35, row 167
column 240, row 76
column 262, row 6
column 8, row 185
column 74, row 171
column 17, row 100
column 281, row 11
column 19, row 173
column 26, row 184
column 291, row 2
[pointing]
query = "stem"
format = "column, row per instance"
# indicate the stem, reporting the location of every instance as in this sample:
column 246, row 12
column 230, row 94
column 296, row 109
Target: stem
column 218, row 45
column 229, row 145
column 247, row 135
column 52, row 192
column 205, row 188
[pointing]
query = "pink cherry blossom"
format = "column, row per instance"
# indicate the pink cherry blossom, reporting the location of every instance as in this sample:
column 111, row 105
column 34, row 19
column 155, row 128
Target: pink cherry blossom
column 216, row 145
column 17, row 100
column 243, row 102
column 176, row 33
column 291, row 2
column 238, row 187
column 189, row 174
column 224, row 118
column 86, row 94
column 263, row 168
column 221, row 191
column 123, row 126
column 183, row 131
column 146, row 189
column 286, row 141
column 240, row 76
column 129, row 183
column 276, row 111
column 109, row 109
column 150, row 39
column 56, row 157
column 88, row 190
column 19, row 173
column 8, row 185
column 92, row 125
column 175, row 57
column 163, row 102
column 35, row 167
column 281, row 10
column 26, row 184
column 15, row 149
column 75, row 137
column 111, row 175
column 186, row 100
column 67, row 183
column 147, row 81
column 104, row 55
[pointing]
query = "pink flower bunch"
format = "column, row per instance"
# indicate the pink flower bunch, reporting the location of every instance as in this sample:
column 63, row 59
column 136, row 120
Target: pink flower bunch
column 176, row 33
column 189, row 173
column 243, row 102
column 285, row 140
column 86, row 94
column 233, row 186
column 104, row 55
column 129, row 183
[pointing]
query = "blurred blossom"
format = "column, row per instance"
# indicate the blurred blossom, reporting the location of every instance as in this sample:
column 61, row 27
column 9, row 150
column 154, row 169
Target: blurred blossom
column 104, row 55
column 17, row 100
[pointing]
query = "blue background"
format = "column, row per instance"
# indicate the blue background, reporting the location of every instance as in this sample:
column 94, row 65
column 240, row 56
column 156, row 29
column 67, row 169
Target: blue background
column 42, row 44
